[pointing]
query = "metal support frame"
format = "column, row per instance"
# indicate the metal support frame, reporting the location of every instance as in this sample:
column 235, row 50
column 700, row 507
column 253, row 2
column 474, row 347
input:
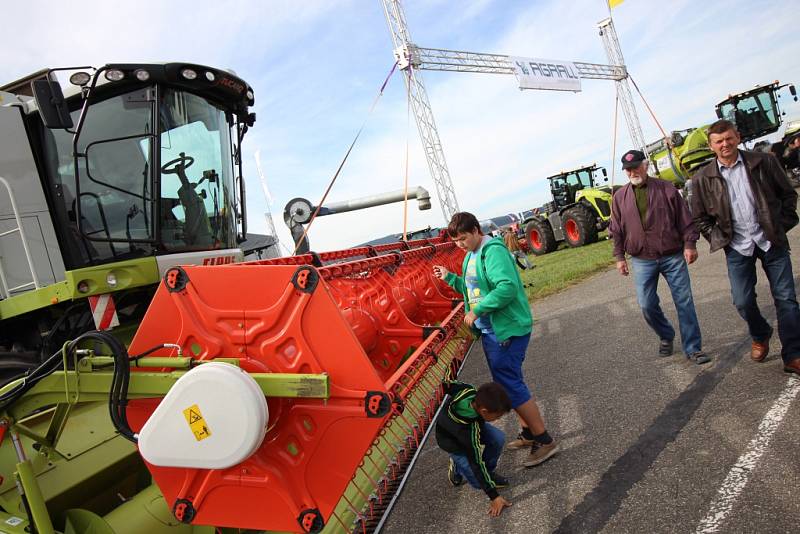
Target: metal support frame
column 614, row 52
column 441, row 59
column 412, row 59
column 395, row 18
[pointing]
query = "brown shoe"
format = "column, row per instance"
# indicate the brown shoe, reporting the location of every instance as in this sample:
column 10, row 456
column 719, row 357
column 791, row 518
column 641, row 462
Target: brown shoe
column 792, row 367
column 760, row 349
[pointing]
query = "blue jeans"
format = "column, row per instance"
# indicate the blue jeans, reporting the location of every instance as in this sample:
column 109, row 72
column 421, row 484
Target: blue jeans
column 505, row 364
column 493, row 440
column 777, row 263
column 674, row 269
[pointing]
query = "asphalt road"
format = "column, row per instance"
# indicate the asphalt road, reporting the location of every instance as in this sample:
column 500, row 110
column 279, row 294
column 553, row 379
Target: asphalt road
column 648, row 444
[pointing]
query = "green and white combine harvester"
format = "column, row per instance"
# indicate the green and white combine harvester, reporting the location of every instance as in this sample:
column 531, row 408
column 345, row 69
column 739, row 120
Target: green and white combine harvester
column 755, row 112
column 95, row 205
column 288, row 394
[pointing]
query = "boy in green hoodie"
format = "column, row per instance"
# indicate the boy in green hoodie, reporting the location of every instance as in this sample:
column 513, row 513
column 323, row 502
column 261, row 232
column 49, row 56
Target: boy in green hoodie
column 496, row 304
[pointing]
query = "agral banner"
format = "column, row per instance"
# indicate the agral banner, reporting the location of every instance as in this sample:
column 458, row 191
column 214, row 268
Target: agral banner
column 533, row 73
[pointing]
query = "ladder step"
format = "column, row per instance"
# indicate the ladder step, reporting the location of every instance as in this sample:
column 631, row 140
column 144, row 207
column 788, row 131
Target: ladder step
column 9, row 232
column 23, row 286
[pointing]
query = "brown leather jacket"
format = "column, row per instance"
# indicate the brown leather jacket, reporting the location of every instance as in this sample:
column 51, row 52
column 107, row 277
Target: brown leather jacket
column 775, row 199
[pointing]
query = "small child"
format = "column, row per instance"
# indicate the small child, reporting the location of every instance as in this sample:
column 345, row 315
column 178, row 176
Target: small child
column 512, row 244
column 474, row 446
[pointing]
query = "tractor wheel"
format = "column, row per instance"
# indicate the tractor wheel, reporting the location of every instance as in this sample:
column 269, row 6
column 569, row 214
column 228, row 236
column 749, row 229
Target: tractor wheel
column 540, row 237
column 580, row 226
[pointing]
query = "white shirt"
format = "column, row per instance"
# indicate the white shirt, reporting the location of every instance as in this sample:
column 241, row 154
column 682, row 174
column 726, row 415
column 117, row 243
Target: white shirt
column 747, row 232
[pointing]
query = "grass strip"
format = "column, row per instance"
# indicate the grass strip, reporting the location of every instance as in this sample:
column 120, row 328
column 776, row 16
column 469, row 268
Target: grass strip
column 566, row 267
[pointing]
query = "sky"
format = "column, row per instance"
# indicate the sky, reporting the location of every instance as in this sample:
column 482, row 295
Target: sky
column 316, row 67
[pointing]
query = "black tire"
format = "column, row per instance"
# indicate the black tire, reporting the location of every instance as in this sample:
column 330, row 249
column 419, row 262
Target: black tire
column 540, row 237
column 580, row 226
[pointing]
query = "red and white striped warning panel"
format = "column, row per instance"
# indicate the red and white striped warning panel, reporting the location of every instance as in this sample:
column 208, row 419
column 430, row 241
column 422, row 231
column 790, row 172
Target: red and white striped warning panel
column 104, row 312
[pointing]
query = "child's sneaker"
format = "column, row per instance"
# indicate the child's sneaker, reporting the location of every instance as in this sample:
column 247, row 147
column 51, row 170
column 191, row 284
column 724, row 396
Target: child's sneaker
column 540, row 452
column 452, row 475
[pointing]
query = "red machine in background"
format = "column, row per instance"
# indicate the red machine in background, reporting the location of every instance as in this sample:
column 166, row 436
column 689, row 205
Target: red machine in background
column 365, row 337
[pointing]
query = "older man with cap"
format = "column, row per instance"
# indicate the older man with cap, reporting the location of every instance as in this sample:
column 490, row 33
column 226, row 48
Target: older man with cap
column 651, row 222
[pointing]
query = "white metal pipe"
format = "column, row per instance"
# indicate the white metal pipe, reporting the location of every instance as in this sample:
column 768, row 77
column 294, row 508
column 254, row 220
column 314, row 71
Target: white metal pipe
column 419, row 193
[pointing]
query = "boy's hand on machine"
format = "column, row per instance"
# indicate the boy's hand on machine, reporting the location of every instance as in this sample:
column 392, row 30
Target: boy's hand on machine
column 470, row 318
column 440, row 272
column 498, row 503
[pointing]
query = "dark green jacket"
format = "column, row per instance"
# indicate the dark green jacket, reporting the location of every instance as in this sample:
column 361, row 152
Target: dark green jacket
column 458, row 431
column 504, row 299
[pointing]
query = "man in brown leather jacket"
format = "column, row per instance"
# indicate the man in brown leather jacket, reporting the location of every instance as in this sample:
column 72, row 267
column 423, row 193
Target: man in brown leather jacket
column 743, row 203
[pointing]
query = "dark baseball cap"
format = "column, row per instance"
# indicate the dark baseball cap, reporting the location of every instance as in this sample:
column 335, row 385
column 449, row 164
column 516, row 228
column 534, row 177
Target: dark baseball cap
column 632, row 159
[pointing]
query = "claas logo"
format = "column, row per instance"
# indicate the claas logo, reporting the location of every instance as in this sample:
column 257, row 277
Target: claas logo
column 219, row 260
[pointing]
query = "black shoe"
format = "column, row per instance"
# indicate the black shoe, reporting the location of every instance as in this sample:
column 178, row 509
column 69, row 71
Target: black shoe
column 699, row 357
column 452, row 475
column 499, row 480
column 665, row 348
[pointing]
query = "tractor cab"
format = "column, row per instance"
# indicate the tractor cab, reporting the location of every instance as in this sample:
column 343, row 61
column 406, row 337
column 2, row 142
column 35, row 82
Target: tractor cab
column 565, row 186
column 756, row 112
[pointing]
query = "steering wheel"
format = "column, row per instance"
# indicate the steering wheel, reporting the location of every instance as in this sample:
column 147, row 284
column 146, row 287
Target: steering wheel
column 178, row 164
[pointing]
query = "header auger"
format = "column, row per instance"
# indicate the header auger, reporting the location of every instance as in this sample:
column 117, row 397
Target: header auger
column 279, row 395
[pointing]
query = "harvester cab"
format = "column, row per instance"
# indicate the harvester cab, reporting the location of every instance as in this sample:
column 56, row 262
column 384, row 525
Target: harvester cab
column 580, row 209
column 128, row 170
column 756, row 112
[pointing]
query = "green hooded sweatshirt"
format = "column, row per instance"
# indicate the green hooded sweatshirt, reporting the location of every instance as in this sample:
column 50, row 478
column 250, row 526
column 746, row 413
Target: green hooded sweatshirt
column 504, row 299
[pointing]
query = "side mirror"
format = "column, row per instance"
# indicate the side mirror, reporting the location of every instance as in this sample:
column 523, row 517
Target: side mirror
column 604, row 171
column 793, row 91
column 52, row 107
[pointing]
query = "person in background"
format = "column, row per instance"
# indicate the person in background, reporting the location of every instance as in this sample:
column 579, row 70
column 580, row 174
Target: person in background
column 651, row 222
column 512, row 244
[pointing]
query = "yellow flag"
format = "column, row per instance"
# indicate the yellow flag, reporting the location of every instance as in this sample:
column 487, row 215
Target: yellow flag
column 614, row 3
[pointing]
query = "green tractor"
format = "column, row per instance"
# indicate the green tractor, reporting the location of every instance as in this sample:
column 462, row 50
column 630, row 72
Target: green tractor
column 578, row 212
column 756, row 113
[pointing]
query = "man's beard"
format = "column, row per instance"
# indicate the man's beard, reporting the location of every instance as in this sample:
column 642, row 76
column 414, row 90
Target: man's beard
column 636, row 180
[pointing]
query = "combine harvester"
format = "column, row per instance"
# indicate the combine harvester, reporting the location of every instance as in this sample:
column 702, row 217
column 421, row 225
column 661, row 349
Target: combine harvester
column 154, row 384
column 755, row 112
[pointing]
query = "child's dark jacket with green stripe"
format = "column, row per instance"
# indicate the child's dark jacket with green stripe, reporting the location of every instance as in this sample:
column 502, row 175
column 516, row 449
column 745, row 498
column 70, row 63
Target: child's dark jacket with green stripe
column 458, row 430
